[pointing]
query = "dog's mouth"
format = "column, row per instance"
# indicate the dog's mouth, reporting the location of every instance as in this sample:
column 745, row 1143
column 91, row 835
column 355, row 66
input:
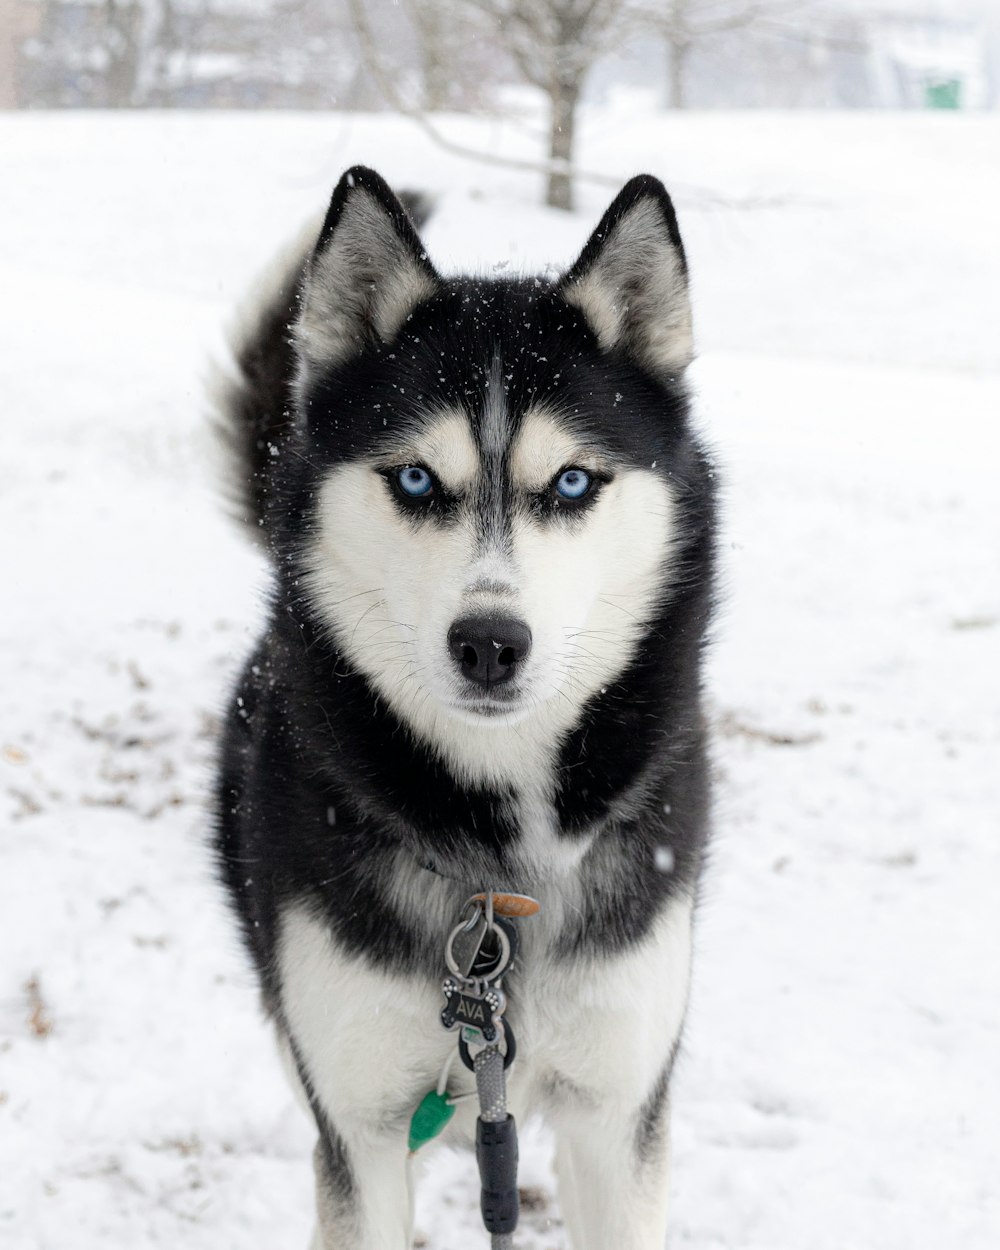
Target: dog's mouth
column 497, row 706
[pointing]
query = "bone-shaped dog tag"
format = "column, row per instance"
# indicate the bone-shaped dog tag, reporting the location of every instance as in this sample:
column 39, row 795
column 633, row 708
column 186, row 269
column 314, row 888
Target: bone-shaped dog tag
column 478, row 1012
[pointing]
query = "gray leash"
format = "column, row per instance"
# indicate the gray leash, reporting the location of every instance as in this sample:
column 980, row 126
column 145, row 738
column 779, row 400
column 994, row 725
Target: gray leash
column 496, row 1149
column 479, row 950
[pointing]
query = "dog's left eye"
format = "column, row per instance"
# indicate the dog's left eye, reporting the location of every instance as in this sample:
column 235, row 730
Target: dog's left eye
column 573, row 484
column 415, row 482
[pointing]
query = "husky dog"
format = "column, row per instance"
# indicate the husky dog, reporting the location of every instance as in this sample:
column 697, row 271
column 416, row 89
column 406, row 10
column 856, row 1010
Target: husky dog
column 492, row 533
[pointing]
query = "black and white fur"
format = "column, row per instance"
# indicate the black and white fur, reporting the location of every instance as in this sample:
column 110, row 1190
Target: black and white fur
column 367, row 786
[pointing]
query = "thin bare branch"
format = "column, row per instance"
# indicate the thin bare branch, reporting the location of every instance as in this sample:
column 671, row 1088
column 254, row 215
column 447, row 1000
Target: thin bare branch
column 386, row 84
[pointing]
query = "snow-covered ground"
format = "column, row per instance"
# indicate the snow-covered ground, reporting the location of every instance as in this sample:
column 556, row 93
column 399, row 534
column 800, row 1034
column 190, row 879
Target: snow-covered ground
column 840, row 1084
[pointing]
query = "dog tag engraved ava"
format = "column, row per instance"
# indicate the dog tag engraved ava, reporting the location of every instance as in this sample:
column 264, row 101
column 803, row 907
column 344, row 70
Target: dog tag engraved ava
column 481, row 1012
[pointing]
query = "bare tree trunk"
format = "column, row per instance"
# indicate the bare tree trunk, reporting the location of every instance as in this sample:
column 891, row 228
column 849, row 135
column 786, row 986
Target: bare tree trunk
column 432, row 49
column 564, row 95
column 121, row 48
column 15, row 23
column 165, row 46
column 680, row 49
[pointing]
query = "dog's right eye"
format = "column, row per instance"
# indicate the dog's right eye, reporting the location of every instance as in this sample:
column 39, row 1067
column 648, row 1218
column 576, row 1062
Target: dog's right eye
column 415, row 482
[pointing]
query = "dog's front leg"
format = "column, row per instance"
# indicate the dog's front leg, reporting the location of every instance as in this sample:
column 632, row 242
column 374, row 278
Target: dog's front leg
column 364, row 1194
column 614, row 1172
column 362, row 1044
column 610, row 1087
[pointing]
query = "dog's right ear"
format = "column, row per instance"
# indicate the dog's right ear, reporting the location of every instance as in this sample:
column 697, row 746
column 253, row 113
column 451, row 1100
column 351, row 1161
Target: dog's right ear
column 367, row 273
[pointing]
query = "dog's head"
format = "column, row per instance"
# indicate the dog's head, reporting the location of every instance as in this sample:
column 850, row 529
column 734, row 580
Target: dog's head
column 488, row 475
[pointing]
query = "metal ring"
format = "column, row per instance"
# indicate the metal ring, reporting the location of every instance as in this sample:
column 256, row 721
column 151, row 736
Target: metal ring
column 511, row 1054
column 474, row 909
column 504, row 958
column 503, row 961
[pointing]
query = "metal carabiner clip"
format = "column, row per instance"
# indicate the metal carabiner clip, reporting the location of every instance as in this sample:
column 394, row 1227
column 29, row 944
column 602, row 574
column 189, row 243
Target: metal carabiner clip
column 464, row 971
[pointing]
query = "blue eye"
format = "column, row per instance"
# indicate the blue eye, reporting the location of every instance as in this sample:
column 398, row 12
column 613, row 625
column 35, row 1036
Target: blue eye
column 573, row 484
column 415, row 482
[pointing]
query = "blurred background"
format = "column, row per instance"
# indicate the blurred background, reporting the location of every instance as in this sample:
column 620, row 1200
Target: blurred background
column 494, row 56
column 836, row 169
column 685, row 53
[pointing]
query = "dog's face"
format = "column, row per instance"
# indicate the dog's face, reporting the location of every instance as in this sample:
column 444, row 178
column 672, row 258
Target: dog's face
column 488, row 562
column 488, row 468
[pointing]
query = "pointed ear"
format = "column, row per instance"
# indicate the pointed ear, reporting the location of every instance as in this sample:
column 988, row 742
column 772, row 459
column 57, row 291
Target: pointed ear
column 631, row 281
column 366, row 274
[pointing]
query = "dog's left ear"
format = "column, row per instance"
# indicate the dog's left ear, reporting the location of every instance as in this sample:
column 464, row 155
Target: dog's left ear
column 631, row 281
column 367, row 273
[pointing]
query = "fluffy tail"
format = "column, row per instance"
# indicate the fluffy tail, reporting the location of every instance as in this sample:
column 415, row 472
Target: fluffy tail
column 252, row 398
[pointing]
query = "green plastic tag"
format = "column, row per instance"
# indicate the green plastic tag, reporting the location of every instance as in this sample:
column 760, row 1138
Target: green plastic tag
column 429, row 1118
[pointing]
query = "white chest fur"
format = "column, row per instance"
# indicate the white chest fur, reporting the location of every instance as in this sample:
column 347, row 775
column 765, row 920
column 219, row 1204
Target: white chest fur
column 598, row 1028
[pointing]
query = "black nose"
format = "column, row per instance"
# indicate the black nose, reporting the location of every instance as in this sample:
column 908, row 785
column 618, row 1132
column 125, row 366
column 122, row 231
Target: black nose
column 488, row 648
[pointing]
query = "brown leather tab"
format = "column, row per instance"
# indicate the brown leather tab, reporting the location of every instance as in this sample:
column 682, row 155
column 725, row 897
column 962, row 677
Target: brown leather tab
column 513, row 905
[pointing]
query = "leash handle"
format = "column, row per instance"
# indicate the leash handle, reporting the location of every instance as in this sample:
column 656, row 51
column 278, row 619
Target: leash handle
column 478, row 951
